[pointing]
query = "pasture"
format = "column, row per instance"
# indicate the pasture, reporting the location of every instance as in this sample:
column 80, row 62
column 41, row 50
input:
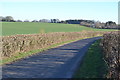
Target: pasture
column 13, row 28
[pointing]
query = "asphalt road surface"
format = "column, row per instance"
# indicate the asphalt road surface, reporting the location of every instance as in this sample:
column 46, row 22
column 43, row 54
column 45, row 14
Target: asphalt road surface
column 60, row 62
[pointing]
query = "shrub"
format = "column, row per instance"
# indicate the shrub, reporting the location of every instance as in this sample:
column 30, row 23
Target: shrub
column 111, row 44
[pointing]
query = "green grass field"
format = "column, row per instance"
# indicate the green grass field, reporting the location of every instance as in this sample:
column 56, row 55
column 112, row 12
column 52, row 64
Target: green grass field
column 13, row 28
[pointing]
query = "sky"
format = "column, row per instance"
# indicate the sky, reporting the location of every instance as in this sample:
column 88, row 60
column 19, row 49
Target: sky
column 99, row 10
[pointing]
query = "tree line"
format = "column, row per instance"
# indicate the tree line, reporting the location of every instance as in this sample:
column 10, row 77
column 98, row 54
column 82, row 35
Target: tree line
column 88, row 23
column 11, row 19
column 100, row 25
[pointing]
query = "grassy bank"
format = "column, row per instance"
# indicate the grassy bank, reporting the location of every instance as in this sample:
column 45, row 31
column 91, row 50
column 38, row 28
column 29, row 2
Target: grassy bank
column 13, row 28
column 93, row 65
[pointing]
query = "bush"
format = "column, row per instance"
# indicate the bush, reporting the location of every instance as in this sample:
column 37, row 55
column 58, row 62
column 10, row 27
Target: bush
column 111, row 44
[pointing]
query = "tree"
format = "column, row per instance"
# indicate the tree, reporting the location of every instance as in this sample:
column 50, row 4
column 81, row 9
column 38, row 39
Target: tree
column 52, row 21
column 64, row 22
column 55, row 21
column 19, row 21
column 111, row 24
column 34, row 21
column 44, row 20
column 9, row 18
column 98, row 24
column 1, row 18
column 88, row 23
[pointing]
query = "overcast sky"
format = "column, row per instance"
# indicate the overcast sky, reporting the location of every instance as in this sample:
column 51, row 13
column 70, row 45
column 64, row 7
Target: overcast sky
column 102, row 10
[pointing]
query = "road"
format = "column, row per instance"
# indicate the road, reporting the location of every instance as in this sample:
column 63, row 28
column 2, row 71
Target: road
column 59, row 62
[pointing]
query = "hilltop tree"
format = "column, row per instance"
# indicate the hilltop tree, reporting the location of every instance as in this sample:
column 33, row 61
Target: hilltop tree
column 2, row 18
column 110, row 23
column 9, row 18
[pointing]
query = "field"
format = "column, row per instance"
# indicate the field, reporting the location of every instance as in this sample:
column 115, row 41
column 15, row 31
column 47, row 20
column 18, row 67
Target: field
column 13, row 28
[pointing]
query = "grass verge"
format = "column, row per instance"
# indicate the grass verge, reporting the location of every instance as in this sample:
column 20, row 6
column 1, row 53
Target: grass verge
column 27, row 54
column 93, row 65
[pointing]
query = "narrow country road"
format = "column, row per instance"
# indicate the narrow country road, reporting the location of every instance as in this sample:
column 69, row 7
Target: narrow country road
column 60, row 62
